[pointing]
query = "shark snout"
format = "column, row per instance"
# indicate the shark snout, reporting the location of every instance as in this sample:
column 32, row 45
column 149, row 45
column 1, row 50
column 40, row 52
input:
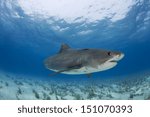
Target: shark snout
column 119, row 56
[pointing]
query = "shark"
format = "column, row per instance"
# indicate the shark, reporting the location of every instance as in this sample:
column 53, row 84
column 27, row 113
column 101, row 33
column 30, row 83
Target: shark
column 82, row 61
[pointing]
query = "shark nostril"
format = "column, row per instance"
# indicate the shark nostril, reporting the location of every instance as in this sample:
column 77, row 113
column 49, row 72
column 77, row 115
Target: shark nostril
column 119, row 55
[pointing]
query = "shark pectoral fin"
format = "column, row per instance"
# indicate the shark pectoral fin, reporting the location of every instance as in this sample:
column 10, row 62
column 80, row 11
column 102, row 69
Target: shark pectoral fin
column 89, row 75
column 68, row 69
column 77, row 66
column 55, row 73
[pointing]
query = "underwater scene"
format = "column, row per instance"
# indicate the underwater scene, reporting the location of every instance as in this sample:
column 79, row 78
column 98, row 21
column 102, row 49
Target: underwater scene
column 74, row 50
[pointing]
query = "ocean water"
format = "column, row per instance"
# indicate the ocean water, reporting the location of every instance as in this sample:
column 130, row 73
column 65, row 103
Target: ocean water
column 33, row 30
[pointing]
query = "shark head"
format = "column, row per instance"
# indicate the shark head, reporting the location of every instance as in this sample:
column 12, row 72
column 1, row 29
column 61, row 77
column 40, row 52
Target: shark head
column 106, row 59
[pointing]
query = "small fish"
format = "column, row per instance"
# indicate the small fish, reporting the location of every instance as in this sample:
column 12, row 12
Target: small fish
column 82, row 61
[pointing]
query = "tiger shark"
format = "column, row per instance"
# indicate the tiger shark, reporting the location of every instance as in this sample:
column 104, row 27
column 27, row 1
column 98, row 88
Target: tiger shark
column 82, row 61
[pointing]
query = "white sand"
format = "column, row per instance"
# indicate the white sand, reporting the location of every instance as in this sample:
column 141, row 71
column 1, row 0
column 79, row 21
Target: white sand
column 14, row 87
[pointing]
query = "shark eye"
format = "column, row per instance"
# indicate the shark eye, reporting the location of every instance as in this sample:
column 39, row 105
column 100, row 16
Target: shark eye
column 109, row 53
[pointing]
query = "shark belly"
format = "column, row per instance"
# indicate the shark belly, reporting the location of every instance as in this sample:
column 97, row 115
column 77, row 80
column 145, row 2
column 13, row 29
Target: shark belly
column 89, row 69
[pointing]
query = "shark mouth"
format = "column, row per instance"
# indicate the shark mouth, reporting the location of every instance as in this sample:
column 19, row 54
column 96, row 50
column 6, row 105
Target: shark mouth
column 113, row 61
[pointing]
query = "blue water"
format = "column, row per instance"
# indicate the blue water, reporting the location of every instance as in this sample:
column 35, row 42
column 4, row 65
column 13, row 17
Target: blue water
column 28, row 37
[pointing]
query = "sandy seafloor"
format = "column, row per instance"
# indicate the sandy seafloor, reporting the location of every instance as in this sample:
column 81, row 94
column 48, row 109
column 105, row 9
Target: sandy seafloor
column 13, row 87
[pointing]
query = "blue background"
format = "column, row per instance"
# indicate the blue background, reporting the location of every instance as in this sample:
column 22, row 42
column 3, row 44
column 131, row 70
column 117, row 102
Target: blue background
column 25, row 43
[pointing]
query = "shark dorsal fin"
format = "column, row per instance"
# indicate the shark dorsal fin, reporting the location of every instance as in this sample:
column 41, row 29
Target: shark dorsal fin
column 64, row 47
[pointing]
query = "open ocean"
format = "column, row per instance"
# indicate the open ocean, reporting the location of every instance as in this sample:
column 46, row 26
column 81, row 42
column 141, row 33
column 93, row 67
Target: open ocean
column 32, row 30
